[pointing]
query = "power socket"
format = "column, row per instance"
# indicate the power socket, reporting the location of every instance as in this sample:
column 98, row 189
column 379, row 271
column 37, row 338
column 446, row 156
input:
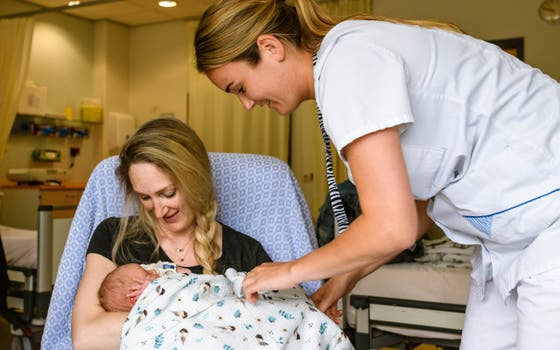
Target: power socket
column 74, row 151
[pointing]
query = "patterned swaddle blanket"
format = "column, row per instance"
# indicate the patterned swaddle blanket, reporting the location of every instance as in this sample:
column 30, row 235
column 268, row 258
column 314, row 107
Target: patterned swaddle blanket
column 180, row 311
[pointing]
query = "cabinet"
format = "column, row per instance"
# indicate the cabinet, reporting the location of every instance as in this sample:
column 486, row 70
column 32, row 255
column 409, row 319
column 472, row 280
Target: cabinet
column 49, row 210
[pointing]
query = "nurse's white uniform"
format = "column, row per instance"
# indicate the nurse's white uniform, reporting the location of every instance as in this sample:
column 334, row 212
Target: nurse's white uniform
column 480, row 133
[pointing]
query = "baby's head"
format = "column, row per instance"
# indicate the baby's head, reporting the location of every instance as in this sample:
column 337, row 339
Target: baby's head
column 114, row 288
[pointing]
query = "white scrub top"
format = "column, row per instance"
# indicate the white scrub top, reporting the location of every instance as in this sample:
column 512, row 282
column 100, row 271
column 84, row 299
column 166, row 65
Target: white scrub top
column 480, row 133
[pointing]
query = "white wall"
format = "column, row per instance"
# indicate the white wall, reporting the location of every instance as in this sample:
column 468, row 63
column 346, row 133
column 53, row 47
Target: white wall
column 158, row 71
column 111, row 79
column 490, row 20
column 62, row 60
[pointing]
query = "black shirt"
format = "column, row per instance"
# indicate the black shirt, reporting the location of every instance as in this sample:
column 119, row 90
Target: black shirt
column 239, row 251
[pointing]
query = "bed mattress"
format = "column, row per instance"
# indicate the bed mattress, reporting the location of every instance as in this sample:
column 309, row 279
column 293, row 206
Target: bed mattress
column 414, row 281
column 20, row 246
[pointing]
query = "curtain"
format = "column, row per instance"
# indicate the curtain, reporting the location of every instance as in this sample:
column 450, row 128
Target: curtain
column 222, row 122
column 15, row 47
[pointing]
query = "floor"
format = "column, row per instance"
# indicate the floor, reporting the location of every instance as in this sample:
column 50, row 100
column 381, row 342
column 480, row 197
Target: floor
column 5, row 336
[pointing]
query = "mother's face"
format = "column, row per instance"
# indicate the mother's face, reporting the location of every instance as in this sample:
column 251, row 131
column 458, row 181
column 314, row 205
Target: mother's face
column 161, row 197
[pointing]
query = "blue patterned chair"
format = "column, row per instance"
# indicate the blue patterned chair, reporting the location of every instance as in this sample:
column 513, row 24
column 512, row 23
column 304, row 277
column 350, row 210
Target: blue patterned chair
column 257, row 195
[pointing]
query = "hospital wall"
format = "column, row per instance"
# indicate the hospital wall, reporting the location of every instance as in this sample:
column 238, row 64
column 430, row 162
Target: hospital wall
column 62, row 60
column 490, row 20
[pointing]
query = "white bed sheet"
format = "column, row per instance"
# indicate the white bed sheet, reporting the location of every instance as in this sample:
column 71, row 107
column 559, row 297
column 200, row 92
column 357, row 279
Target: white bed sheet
column 20, row 246
column 414, row 281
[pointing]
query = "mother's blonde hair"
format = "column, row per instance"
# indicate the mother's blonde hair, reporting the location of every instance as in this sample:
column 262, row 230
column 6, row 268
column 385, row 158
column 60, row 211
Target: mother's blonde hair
column 228, row 29
column 175, row 149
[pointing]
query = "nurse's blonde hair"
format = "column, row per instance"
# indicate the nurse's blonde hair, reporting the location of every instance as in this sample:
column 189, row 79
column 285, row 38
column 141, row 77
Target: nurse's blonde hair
column 228, row 29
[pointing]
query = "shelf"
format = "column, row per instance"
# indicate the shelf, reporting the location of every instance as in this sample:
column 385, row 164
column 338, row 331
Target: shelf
column 50, row 125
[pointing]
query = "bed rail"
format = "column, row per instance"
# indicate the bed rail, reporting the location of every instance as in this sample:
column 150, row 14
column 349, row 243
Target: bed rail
column 403, row 313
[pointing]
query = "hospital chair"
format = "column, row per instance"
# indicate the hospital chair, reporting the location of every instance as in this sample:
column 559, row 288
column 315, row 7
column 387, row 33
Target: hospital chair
column 257, row 195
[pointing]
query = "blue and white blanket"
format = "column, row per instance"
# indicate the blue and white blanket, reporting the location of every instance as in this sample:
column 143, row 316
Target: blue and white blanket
column 181, row 311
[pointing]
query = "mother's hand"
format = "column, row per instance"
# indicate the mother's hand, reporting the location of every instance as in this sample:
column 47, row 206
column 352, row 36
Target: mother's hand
column 268, row 276
column 92, row 326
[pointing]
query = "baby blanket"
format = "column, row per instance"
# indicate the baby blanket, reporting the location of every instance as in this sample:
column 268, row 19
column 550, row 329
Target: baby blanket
column 180, row 311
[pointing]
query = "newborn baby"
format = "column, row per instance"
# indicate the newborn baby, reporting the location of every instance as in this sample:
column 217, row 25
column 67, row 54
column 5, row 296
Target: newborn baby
column 122, row 286
column 210, row 312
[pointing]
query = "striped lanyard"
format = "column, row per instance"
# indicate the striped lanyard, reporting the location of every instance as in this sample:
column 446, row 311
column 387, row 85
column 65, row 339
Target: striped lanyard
column 336, row 201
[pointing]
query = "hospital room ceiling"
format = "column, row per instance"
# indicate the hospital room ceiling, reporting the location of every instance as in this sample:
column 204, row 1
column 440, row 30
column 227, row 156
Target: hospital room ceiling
column 129, row 12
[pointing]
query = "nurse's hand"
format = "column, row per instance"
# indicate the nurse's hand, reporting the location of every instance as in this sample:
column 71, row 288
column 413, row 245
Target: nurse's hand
column 325, row 301
column 268, row 276
column 326, row 297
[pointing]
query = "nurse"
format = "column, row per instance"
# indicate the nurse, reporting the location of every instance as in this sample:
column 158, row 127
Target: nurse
column 433, row 126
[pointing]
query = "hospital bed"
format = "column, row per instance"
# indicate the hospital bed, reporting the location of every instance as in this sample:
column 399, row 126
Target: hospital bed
column 31, row 258
column 35, row 220
column 257, row 195
column 20, row 249
column 17, row 299
column 411, row 302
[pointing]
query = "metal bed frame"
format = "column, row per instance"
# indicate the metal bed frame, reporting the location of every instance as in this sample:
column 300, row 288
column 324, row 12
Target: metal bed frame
column 372, row 311
column 35, row 287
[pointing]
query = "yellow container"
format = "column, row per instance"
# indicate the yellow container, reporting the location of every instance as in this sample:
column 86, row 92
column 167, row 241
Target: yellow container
column 92, row 114
column 68, row 113
column 91, row 110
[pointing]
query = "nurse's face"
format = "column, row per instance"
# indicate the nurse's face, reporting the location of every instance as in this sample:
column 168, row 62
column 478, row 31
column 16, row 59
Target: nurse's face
column 274, row 82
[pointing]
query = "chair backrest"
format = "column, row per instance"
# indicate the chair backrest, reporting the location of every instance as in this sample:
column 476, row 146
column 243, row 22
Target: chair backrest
column 257, row 195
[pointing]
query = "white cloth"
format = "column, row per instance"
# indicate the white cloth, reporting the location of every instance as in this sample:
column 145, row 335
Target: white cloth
column 20, row 246
column 161, row 267
column 528, row 320
column 208, row 312
column 479, row 133
column 443, row 252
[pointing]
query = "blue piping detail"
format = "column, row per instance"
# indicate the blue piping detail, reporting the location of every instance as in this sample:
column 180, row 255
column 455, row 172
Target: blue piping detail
column 483, row 224
column 508, row 209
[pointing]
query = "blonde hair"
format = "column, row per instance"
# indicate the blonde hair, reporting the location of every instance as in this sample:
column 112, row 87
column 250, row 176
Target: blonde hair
column 175, row 149
column 228, row 29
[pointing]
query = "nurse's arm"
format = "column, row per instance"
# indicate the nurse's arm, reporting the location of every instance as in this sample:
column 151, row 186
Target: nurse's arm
column 388, row 223
column 92, row 326
column 424, row 224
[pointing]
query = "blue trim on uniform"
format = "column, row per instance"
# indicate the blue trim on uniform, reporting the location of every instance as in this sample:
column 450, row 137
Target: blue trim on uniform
column 515, row 206
column 484, row 222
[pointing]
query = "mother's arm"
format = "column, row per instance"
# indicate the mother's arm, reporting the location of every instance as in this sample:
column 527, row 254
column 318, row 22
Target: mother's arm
column 92, row 326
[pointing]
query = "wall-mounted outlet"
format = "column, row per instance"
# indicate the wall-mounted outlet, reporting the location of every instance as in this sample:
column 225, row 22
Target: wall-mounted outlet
column 74, row 151
column 308, row 177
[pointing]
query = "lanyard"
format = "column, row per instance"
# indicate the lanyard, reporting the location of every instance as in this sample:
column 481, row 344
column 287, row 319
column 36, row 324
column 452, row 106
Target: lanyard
column 336, row 202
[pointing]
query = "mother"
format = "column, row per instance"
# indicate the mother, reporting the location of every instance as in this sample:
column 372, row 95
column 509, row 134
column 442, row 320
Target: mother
column 167, row 177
